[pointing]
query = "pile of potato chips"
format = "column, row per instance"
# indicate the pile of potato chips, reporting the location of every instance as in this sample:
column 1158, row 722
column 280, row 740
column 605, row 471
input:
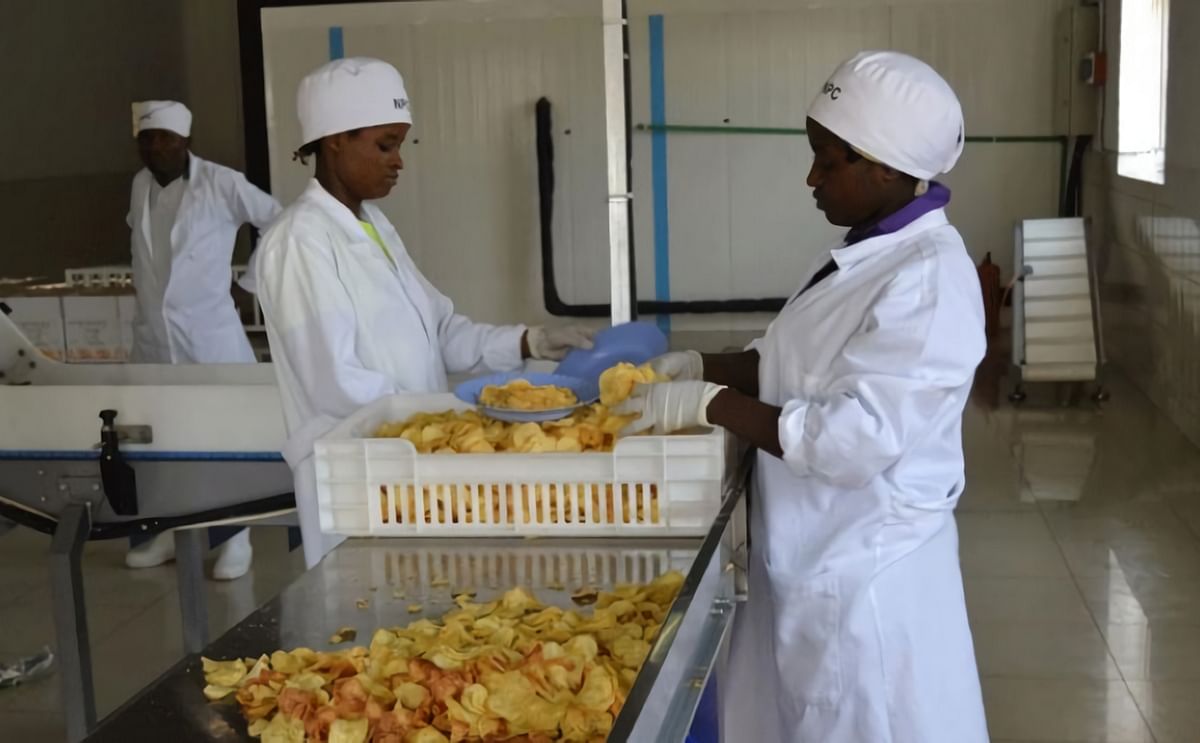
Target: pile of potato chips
column 521, row 394
column 509, row 670
column 617, row 383
column 589, row 429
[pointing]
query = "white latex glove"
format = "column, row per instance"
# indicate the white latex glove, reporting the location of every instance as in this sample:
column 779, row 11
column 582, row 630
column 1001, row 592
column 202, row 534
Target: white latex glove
column 680, row 366
column 668, row 407
column 554, row 343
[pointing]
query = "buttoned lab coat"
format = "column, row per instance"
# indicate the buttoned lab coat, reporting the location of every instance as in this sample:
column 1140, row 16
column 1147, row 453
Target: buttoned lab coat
column 193, row 318
column 856, row 630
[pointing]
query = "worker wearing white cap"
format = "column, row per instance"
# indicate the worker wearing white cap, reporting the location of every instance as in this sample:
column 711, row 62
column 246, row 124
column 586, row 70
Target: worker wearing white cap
column 184, row 214
column 349, row 316
column 856, row 628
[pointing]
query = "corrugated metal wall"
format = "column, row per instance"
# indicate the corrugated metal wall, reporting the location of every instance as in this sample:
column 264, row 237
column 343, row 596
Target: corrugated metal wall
column 741, row 221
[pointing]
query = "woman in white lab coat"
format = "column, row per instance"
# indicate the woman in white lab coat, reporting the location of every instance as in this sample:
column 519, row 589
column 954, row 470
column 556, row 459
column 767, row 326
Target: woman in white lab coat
column 184, row 216
column 856, row 629
column 349, row 317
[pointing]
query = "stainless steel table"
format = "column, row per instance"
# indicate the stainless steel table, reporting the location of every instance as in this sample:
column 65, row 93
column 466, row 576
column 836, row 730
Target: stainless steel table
column 392, row 575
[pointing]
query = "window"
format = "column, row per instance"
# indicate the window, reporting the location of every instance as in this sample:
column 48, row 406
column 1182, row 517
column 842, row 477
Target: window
column 1142, row 90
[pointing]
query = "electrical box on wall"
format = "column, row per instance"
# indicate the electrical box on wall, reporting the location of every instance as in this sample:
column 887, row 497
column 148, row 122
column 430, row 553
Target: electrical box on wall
column 1080, row 71
column 1093, row 68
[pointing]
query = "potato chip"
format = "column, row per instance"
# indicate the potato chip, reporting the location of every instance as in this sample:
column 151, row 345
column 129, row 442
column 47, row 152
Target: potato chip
column 292, row 662
column 411, row 695
column 426, row 735
column 568, row 444
column 617, row 383
column 579, row 724
column 257, row 700
column 599, row 690
column 217, row 693
column 256, row 728
column 223, row 673
column 262, row 664
column 630, row 651
column 349, row 731
column 306, row 681
column 283, row 729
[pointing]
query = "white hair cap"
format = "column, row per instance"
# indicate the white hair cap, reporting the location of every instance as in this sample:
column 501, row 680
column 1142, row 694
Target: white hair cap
column 896, row 110
column 348, row 94
column 170, row 115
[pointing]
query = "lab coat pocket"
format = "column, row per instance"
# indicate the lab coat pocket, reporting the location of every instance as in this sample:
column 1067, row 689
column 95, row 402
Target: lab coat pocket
column 807, row 639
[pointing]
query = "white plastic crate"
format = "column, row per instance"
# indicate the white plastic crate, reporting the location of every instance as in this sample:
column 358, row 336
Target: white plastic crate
column 649, row 486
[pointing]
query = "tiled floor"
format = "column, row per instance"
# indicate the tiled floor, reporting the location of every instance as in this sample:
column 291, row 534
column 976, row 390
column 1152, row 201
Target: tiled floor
column 133, row 620
column 1081, row 556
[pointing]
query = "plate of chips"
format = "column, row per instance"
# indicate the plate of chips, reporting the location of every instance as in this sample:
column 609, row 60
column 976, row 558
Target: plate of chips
column 528, row 397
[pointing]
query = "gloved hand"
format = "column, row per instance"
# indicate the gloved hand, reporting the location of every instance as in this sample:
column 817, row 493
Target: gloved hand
column 680, row 366
column 668, row 407
column 554, row 343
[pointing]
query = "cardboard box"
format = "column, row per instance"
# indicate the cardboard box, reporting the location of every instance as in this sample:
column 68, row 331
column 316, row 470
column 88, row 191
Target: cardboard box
column 126, row 309
column 41, row 320
column 93, row 329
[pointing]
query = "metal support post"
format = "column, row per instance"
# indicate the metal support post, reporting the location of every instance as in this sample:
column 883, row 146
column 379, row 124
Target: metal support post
column 70, row 620
column 190, row 546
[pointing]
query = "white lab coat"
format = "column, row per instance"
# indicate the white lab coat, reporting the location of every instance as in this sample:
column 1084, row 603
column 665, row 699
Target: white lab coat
column 856, row 627
column 193, row 320
column 348, row 326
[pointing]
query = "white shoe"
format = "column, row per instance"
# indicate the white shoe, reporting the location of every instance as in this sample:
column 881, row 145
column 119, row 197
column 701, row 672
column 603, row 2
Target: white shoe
column 158, row 551
column 233, row 557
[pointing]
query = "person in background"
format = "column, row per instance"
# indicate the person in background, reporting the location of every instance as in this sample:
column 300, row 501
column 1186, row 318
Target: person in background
column 856, row 626
column 349, row 317
column 184, row 216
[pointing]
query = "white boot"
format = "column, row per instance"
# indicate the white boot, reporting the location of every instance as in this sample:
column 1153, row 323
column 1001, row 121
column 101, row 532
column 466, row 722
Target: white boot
column 158, row 551
column 233, row 557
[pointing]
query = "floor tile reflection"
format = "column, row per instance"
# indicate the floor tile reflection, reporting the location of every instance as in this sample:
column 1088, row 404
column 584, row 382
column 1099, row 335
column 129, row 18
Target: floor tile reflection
column 1058, row 710
column 1172, row 708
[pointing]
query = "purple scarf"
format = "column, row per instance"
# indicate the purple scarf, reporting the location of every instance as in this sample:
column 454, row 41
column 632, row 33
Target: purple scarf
column 935, row 198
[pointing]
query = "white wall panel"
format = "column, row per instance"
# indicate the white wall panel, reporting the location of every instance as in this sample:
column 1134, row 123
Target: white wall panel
column 777, row 231
column 741, row 219
column 288, row 55
column 466, row 205
column 998, row 56
column 996, row 185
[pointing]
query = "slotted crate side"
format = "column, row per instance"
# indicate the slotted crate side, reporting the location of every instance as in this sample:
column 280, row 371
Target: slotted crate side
column 467, row 568
column 662, row 486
